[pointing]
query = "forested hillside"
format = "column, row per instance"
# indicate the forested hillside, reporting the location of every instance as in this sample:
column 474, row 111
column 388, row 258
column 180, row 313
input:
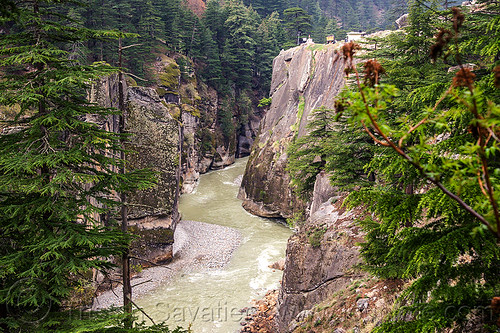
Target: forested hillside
column 344, row 15
column 223, row 36
column 229, row 45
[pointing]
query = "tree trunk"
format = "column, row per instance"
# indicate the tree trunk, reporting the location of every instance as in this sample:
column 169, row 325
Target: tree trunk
column 127, row 288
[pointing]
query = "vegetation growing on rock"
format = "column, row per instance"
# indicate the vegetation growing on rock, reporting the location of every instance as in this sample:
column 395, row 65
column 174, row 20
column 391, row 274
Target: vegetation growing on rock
column 169, row 77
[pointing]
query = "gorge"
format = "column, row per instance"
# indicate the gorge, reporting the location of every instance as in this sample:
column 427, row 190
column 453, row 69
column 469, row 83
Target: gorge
column 312, row 273
column 243, row 178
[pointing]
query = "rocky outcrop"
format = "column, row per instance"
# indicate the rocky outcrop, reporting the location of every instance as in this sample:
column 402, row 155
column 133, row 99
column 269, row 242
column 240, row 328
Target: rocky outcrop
column 304, row 78
column 196, row 106
column 153, row 144
column 403, row 21
column 320, row 257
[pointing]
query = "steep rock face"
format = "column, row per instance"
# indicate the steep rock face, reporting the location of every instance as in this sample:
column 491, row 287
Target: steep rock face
column 304, row 78
column 196, row 105
column 154, row 144
column 319, row 258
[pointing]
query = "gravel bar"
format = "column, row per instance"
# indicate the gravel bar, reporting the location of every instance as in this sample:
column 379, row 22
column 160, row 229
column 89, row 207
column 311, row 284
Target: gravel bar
column 198, row 247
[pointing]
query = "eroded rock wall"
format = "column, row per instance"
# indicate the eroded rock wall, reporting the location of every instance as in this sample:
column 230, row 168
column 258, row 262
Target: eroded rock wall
column 196, row 106
column 320, row 257
column 323, row 289
column 322, row 254
column 153, row 144
column 304, row 78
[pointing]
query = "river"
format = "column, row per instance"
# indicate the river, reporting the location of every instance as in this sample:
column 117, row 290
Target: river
column 210, row 301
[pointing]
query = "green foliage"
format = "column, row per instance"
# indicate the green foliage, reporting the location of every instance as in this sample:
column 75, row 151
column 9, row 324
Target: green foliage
column 296, row 219
column 307, row 155
column 429, row 237
column 270, row 37
column 225, row 118
column 106, row 321
column 300, row 113
column 315, row 235
column 430, row 150
column 169, row 77
column 58, row 171
column 265, row 102
column 297, row 22
column 434, row 208
column 239, row 47
column 331, row 145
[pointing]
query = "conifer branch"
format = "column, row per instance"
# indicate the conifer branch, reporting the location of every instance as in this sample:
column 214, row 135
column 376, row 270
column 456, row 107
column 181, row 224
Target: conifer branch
column 432, row 179
column 423, row 121
column 385, row 144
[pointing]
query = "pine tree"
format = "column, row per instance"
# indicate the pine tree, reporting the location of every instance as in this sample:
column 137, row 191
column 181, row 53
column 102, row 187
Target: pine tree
column 331, row 28
column 269, row 38
column 212, row 72
column 443, row 239
column 239, row 46
column 57, row 170
column 307, row 155
column 297, row 22
column 331, row 145
column 214, row 17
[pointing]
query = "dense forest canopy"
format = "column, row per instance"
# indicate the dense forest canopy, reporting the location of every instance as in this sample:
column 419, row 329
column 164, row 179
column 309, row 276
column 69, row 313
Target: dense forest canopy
column 239, row 29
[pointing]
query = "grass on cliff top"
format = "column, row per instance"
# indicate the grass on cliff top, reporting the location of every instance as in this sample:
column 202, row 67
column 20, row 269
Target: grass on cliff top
column 317, row 47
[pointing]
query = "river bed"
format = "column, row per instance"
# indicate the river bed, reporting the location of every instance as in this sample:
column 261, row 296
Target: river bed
column 211, row 300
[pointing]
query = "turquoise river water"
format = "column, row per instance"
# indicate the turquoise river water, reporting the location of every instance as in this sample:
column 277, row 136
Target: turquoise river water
column 210, row 301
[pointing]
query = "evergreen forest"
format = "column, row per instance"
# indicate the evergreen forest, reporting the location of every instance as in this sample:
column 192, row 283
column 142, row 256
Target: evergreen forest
column 413, row 140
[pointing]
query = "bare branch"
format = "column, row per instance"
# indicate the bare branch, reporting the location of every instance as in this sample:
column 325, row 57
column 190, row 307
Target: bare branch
column 150, row 262
column 143, row 282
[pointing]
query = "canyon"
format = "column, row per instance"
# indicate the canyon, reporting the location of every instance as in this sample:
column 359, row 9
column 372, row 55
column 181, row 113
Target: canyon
column 322, row 255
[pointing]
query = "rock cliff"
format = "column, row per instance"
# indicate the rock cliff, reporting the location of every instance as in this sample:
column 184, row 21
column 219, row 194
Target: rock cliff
column 320, row 257
column 153, row 144
column 304, row 78
column 323, row 290
column 197, row 106
column 177, row 113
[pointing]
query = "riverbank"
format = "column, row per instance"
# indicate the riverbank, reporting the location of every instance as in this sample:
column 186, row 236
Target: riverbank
column 198, row 247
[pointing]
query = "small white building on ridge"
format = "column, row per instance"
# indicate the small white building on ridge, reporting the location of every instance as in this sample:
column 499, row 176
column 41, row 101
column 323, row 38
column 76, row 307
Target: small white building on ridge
column 353, row 36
